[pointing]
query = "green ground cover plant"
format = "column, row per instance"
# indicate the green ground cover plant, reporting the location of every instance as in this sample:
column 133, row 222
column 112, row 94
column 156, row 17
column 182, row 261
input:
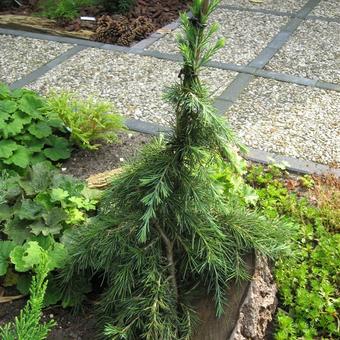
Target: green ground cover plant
column 37, row 210
column 166, row 229
column 63, row 9
column 88, row 121
column 28, row 324
column 28, row 134
column 308, row 280
column 70, row 9
column 117, row 6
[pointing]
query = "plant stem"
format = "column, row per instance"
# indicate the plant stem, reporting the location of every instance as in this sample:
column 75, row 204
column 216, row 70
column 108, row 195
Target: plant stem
column 169, row 245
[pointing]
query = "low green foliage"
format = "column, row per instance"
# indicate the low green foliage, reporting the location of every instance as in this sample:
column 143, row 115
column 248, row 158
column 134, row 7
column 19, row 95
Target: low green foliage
column 70, row 9
column 63, row 9
column 117, row 6
column 37, row 209
column 28, row 324
column 27, row 133
column 87, row 120
column 308, row 279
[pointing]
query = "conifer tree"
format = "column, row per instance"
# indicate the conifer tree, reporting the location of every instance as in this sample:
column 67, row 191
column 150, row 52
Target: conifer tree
column 165, row 231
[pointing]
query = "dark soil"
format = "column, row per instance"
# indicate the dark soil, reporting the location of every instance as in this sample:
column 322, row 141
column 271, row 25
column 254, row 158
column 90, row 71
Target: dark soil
column 146, row 17
column 85, row 163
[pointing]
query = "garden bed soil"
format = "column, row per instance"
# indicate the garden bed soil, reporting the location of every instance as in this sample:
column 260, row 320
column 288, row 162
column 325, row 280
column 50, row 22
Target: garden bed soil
column 84, row 163
column 146, row 17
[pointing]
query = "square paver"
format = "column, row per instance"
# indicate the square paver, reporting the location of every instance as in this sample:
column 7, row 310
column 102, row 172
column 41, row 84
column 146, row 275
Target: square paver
column 276, row 5
column 20, row 56
column 327, row 8
column 134, row 83
column 293, row 120
column 313, row 52
column 246, row 35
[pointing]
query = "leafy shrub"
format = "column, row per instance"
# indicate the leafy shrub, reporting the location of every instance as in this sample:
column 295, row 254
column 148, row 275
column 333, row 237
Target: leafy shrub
column 308, row 279
column 63, row 9
column 37, row 209
column 87, row 120
column 27, row 133
column 27, row 325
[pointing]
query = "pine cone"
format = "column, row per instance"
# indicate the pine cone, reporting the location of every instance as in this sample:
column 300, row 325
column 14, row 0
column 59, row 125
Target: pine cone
column 110, row 29
column 142, row 26
column 127, row 38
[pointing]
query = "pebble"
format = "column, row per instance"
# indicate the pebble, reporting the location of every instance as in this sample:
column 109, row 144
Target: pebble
column 246, row 34
column 312, row 52
column 294, row 120
column 135, row 84
column 327, row 8
column 277, row 5
column 19, row 55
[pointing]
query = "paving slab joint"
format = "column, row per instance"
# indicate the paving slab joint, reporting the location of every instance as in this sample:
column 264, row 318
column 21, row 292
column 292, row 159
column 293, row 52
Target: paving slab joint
column 295, row 165
column 37, row 73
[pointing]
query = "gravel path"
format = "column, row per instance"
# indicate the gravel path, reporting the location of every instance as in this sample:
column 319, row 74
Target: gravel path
column 277, row 5
column 20, row 56
column 246, row 35
column 328, row 8
column 134, row 83
column 295, row 120
column 312, row 52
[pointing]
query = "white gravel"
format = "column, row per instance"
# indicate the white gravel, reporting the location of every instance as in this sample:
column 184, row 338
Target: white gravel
column 246, row 35
column 313, row 52
column 277, row 5
column 134, row 83
column 19, row 56
column 297, row 121
column 327, row 8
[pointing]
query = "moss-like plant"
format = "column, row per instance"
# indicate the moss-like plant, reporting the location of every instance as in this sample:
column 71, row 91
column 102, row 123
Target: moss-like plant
column 308, row 279
column 166, row 231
